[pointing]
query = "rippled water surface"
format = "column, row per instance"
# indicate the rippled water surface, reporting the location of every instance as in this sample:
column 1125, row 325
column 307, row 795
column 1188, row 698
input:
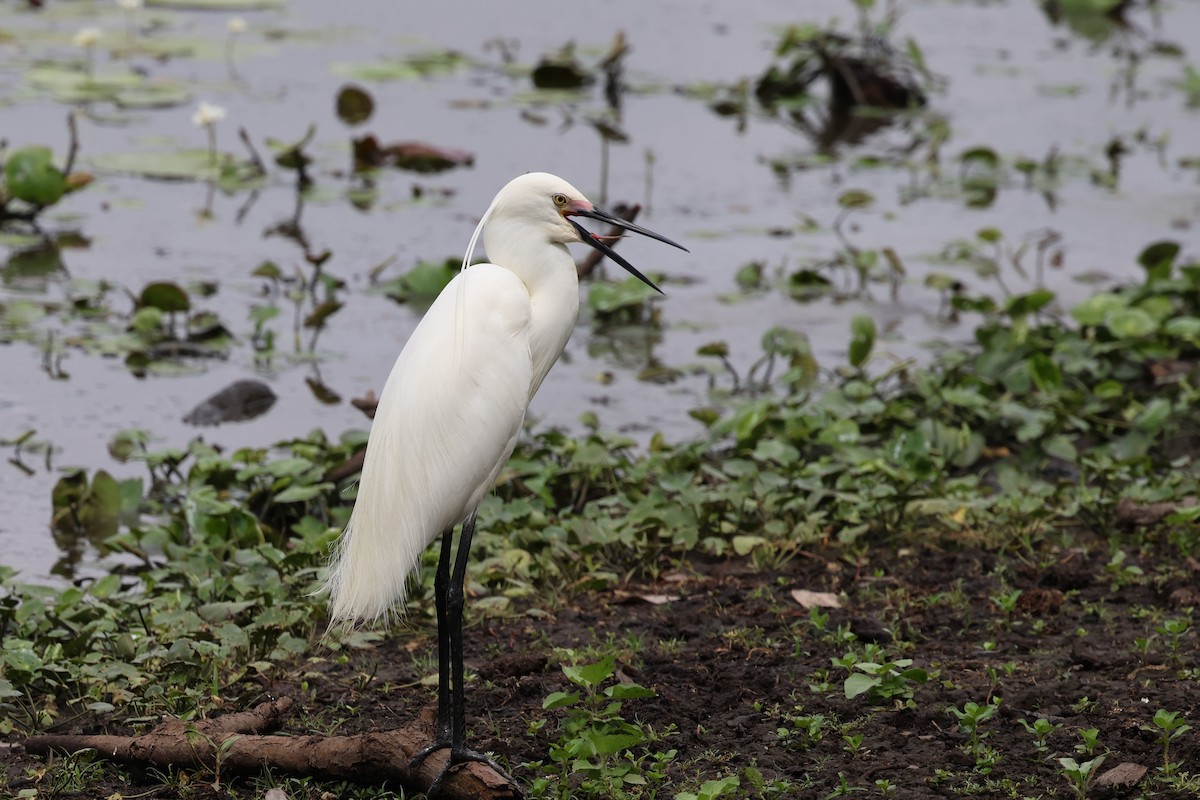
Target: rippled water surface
column 1073, row 94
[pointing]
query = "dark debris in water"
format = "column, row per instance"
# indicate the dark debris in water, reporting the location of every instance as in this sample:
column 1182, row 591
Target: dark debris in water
column 413, row 156
column 237, row 402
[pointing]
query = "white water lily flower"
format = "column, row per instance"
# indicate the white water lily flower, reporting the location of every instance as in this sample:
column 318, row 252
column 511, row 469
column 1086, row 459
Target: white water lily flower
column 207, row 115
column 236, row 25
column 131, row 5
column 87, row 37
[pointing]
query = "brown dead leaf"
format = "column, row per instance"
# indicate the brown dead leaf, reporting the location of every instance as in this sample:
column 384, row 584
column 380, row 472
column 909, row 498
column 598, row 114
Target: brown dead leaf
column 818, row 599
column 1126, row 773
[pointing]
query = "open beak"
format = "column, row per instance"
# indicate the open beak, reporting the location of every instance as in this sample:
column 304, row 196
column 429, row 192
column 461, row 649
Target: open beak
column 591, row 238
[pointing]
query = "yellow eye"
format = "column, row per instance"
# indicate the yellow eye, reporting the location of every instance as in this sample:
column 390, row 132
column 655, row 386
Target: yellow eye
column 560, row 200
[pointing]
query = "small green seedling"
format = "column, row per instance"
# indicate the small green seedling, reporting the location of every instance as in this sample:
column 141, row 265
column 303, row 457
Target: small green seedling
column 970, row 717
column 710, row 790
column 1089, row 741
column 883, row 683
column 1080, row 776
column 595, row 741
column 1168, row 727
column 1041, row 728
column 1173, row 630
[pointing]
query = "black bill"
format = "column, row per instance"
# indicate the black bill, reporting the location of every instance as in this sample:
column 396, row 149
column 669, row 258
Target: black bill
column 595, row 242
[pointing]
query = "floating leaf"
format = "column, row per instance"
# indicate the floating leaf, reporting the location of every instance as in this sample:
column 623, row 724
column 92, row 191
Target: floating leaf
column 354, row 105
column 164, row 296
column 30, row 175
column 855, row 198
column 1158, row 258
column 181, row 165
column 154, row 95
column 412, row 67
column 217, row 5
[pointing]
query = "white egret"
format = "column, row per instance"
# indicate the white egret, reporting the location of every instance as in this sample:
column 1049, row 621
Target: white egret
column 451, row 411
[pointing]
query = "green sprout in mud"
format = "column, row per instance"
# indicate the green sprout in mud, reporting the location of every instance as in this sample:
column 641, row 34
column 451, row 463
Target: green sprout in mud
column 970, row 717
column 1168, row 727
column 1089, row 741
column 1173, row 630
column 1080, row 776
column 1041, row 728
column 595, row 741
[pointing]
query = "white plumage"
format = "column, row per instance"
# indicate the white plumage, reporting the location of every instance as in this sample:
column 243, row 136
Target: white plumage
column 452, row 409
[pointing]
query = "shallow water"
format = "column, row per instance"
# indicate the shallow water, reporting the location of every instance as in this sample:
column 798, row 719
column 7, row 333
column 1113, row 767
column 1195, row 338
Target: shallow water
column 1013, row 82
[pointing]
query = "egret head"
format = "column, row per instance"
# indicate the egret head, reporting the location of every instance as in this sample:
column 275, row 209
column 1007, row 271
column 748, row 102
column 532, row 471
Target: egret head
column 543, row 205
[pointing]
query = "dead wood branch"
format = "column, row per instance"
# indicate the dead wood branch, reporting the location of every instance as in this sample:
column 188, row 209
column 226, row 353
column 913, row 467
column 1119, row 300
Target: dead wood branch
column 363, row 758
column 627, row 213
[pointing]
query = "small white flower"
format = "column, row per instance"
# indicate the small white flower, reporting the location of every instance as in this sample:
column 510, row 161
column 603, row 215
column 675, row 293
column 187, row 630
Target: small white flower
column 130, row 5
column 207, row 115
column 236, row 25
column 87, row 37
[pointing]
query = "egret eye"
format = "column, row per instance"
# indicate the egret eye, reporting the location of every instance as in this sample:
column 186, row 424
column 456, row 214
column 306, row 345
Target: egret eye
column 560, row 200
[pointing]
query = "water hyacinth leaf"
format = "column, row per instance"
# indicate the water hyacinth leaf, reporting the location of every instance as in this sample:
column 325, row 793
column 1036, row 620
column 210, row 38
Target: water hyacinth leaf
column 1158, row 259
column 1153, row 416
column 1046, row 374
column 609, row 298
column 1183, row 327
column 1096, row 309
column 427, row 278
column 1131, row 323
column 862, row 339
column 1030, row 303
column 30, row 175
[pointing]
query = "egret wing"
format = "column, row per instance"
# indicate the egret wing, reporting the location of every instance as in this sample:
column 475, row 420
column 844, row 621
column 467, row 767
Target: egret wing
column 447, row 421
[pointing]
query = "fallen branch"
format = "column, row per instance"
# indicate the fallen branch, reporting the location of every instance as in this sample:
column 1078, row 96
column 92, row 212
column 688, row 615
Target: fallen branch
column 363, row 758
column 627, row 213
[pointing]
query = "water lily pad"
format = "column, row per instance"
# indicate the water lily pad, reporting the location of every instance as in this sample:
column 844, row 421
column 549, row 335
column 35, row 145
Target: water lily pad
column 157, row 95
column 217, row 5
column 69, row 83
column 179, row 165
column 412, row 67
column 30, row 175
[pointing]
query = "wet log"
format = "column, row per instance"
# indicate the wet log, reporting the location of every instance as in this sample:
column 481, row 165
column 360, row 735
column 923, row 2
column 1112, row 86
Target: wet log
column 367, row 758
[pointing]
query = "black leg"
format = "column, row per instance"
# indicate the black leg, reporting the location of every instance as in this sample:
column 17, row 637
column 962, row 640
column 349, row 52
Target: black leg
column 441, row 582
column 449, row 588
column 455, row 601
